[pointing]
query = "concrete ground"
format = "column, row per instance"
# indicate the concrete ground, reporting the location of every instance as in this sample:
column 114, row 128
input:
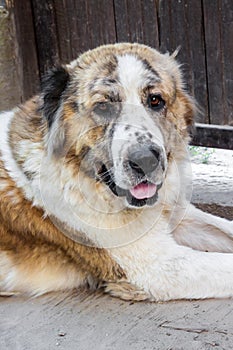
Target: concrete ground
column 84, row 320
column 92, row 321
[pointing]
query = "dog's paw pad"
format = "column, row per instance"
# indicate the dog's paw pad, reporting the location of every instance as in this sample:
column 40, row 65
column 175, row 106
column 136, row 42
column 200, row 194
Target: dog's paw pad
column 126, row 291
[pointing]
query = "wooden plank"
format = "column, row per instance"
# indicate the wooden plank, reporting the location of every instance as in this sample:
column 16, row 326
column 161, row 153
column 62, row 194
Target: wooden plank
column 83, row 25
column 227, row 46
column 25, row 51
column 219, row 56
column 128, row 21
column 72, row 27
column 150, row 23
column 101, row 22
column 96, row 24
column 174, row 27
column 213, row 136
column 64, row 18
column 122, row 23
column 136, row 21
column 10, row 91
column 181, row 25
column 80, row 39
column 79, row 27
column 46, row 34
column 197, row 63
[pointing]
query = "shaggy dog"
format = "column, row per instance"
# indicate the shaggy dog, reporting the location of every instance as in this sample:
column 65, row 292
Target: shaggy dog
column 95, row 185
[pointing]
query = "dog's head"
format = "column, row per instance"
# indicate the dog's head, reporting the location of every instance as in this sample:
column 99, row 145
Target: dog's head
column 118, row 115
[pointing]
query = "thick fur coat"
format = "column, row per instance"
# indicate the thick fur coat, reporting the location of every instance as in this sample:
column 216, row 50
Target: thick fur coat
column 95, row 183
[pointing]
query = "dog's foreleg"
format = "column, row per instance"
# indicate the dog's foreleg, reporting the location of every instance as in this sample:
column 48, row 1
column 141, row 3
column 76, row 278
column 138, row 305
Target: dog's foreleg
column 193, row 274
column 203, row 231
column 168, row 271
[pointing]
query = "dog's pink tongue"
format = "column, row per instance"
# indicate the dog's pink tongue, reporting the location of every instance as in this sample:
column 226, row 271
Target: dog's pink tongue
column 143, row 190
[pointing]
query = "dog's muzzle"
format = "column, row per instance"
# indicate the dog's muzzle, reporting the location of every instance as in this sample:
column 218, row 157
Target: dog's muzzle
column 140, row 164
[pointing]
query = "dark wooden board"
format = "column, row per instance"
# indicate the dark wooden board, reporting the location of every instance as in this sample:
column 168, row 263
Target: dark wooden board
column 51, row 32
column 83, row 25
column 150, row 23
column 134, row 18
column 122, row 24
column 218, row 20
column 101, row 22
column 227, row 47
column 64, row 20
column 213, row 136
column 181, row 26
column 197, row 63
column 46, row 34
column 136, row 21
column 25, row 47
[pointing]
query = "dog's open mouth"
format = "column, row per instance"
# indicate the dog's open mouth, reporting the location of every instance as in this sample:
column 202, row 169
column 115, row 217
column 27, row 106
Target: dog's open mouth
column 144, row 193
column 143, row 190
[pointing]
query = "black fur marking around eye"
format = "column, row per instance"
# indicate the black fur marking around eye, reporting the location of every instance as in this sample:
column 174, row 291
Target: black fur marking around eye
column 104, row 109
column 107, row 110
column 53, row 85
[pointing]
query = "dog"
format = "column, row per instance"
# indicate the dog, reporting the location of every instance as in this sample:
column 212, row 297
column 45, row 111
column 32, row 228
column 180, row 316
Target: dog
column 95, row 185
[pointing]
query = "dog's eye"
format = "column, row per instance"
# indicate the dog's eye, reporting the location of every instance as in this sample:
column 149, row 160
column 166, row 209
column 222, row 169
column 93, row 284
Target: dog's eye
column 103, row 109
column 155, row 102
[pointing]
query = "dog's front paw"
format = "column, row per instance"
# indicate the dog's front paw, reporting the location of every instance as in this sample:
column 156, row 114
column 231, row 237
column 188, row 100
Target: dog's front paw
column 126, row 291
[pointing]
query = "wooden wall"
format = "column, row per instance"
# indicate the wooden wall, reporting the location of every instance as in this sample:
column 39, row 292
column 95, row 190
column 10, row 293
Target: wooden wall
column 56, row 31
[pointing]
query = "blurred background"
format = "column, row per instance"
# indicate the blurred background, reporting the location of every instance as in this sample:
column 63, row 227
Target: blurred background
column 35, row 35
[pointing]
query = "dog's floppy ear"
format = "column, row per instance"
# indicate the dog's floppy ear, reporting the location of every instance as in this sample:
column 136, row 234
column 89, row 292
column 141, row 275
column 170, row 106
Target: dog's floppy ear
column 186, row 106
column 189, row 107
column 53, row 85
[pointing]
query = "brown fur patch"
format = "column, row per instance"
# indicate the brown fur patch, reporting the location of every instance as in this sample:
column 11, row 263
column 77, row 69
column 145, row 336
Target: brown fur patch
column 32, row 241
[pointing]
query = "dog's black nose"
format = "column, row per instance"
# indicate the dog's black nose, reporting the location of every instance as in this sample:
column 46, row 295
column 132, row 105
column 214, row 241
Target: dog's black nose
column 143, row 160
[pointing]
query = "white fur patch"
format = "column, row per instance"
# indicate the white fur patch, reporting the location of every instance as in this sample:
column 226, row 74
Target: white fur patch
column 10, row 164
column 131, row 74
column 100, row 216
column 43, row 279
column 134, row 119
column 167, row 270
column 139, row 122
